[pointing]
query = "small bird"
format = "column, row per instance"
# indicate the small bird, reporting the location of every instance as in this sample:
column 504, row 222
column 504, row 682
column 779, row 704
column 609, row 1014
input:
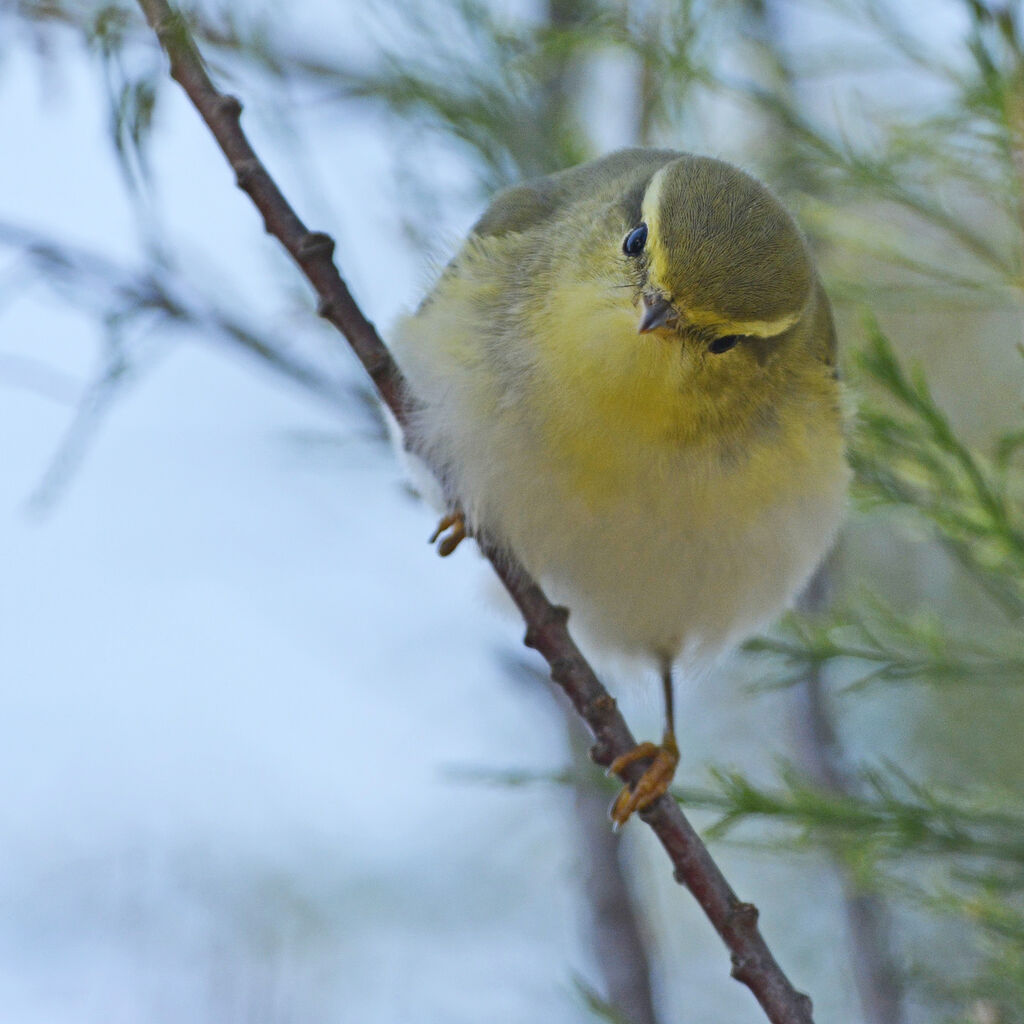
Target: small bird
column 626, row 378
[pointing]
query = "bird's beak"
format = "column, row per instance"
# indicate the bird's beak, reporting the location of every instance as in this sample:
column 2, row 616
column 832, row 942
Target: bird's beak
column 658, row 312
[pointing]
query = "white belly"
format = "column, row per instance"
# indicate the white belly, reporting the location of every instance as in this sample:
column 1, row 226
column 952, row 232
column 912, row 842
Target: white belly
column 674, row 561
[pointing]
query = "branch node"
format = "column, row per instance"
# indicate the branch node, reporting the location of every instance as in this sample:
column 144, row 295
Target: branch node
column 743, row 915
column 552, row 615
column 229, row 106
column 245, row 171
column 742, row 966
column 603, row 704
column 602, row 754
column 379, row 368
column 316, row 245
column 559, row 614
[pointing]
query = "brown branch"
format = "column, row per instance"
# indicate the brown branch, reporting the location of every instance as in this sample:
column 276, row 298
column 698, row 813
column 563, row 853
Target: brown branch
column 547, row 631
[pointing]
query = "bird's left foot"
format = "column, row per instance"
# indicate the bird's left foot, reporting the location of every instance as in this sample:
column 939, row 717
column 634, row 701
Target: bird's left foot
column 652, row 784
column 454, row 524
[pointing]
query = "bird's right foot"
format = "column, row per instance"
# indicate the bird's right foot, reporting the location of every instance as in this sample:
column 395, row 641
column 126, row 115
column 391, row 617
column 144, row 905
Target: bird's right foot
column 454, row 524
column 654, row 782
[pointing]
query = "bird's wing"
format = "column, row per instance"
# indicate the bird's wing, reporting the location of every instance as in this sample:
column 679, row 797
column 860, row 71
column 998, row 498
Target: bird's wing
column 542, row 200
column 824, row 326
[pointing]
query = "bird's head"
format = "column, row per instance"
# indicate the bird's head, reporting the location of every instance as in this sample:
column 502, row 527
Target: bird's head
column 714, row 255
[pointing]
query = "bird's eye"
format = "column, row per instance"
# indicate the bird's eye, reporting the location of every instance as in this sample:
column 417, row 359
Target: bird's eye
column 723, row 344
column 635, row 241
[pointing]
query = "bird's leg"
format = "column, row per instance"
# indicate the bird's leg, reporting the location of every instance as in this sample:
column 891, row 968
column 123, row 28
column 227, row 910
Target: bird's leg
column 663, row 759
column 455, row 522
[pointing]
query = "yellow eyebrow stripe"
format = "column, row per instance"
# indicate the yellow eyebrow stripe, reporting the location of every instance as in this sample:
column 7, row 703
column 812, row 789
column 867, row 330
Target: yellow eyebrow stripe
column 649, row 212
column 753, row 328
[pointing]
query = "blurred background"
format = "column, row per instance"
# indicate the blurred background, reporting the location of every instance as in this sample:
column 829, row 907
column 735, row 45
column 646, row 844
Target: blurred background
column 265, row 757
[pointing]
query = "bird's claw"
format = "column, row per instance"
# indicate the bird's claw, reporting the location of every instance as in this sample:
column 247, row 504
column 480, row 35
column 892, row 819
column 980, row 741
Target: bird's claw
column 654, row 782
column 455, row 525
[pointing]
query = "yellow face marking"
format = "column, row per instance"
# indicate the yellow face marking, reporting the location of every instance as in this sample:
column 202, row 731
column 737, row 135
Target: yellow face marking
column 753, row 328
column 649, row 214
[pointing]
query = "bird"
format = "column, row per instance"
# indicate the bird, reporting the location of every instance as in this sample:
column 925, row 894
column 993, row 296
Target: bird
column 626, row 379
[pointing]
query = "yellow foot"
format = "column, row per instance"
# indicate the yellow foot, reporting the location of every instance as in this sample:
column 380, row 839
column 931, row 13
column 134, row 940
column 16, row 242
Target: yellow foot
column 456, row 523
column 652, row 784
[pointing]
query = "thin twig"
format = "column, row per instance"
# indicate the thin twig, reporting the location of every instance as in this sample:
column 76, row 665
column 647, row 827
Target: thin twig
column 118, row 289
column 547, row 632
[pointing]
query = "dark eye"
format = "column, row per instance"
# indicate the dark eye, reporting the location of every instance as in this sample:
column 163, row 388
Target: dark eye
column 635, row 241
column 723, row 344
